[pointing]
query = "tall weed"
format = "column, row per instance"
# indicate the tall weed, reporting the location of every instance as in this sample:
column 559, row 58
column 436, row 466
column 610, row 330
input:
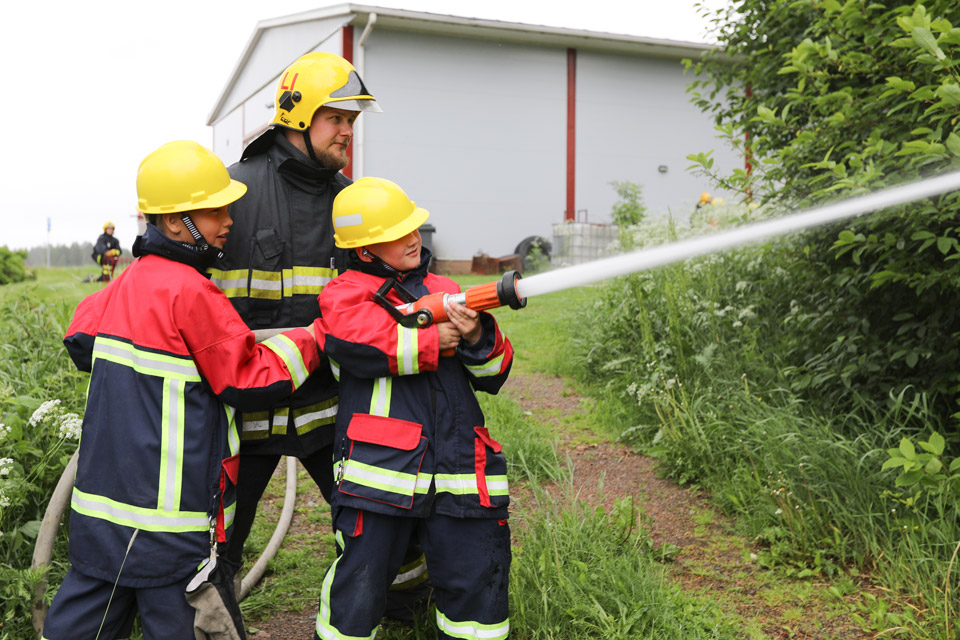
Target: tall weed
column 700, row 357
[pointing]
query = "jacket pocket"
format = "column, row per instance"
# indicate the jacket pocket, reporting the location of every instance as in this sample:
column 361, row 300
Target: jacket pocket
column 266, row 277
column 490, row 467
column 383, row 462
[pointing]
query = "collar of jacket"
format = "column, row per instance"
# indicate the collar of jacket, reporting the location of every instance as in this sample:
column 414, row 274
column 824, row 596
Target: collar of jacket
column 153, row 242
column 376, row 268
column 292, row 164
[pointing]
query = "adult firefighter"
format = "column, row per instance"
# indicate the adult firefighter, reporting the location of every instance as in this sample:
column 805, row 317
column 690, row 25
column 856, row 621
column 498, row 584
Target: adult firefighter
column 106, row 252
column 282, row 254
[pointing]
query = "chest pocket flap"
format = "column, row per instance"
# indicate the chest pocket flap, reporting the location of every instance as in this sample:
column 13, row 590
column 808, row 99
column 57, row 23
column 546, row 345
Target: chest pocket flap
column 384, row 431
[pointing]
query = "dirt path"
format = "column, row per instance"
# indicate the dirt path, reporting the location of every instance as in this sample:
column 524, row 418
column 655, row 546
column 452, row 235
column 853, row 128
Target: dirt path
column 710, row 562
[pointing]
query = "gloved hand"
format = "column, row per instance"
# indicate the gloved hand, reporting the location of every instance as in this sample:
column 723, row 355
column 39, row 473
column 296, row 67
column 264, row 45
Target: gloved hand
column 113, row 252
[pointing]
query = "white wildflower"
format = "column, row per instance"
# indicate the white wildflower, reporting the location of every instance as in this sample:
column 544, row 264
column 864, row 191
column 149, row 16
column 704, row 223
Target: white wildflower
column 42, row 411
column 70, row 425
column 4, row 431
column 746, row 313
column 4, row 499
column 5, row 465
column 742, row 286
column 753, row 557
column 737, row 324
column 779, row 511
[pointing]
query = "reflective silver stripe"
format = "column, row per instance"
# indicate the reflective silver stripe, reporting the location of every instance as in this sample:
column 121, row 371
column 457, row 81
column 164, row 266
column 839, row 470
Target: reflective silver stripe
column 171, row 453
column 423, row 482
column 144, row 361
column 335, row 369
column 289, row 352
column 351, row 220
column 129, row 516
column 266, row 285
column 385, row 480
column 233, row 438
column 472, row 630
column 380, row 399
column 407, row 351
column 465, row 483
column 490, row 368
column 256, row 425
column 305, row 418
column 407, row 576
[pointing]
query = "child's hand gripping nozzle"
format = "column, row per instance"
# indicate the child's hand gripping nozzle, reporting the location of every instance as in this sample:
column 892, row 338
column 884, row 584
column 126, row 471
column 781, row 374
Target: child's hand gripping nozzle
column 418, row 313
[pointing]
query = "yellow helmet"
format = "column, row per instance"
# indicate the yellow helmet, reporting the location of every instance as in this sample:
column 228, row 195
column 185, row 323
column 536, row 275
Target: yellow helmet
column 374, row 210
column 314, row 80
column 108, row 224
column 184, row 176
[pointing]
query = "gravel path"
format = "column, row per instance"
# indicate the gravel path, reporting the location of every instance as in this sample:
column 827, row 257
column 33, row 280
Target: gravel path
column 710, row 561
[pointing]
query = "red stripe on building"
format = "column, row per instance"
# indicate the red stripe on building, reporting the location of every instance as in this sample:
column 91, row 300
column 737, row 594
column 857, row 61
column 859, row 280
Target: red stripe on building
column 570, row 213
column 346, row 47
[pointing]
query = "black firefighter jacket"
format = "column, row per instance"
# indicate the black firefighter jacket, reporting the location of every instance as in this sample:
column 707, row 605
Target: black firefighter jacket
column 279, row 256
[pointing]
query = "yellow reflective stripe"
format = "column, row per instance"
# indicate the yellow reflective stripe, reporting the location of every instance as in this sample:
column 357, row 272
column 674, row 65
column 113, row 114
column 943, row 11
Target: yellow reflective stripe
column 380, row 399
column 281, row 417
column 307, row 280
column 411, row 574
column 289, row 352
column 323, row 627
column 127, row 515
column 232, row 283
column 471, row 630
column 171, row 445
column 466, row 483
column 404, row 484
column 233, row 437
column 407, row 351
column 266, row 285
column 145, row 362
column 306, row 419
column 256, row 425
column 489, row 368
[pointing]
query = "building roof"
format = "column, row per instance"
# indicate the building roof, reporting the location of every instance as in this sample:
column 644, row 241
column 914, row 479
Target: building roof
column 448, row 25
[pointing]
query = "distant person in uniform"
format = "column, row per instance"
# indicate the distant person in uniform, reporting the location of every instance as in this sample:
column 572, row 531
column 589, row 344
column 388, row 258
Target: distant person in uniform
column 106, row 252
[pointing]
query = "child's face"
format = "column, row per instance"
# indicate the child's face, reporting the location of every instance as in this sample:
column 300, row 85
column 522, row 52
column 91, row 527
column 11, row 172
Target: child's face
column 213, row 224
column 403, row 254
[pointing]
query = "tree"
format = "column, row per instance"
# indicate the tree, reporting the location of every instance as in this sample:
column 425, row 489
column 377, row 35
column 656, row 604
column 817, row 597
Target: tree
column 11, row 266
column 829, row 98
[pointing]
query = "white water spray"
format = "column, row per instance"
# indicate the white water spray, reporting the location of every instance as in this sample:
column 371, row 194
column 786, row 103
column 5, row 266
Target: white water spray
column 645, row 259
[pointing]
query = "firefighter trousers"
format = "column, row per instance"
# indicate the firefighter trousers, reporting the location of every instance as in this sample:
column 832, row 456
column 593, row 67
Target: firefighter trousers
column 468, row 560
column 81, row 606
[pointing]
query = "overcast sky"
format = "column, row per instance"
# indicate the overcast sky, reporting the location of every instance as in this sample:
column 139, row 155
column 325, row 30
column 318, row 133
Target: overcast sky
column 90, row 88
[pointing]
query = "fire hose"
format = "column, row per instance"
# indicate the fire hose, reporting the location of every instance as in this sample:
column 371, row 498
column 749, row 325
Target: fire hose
column 513, row 291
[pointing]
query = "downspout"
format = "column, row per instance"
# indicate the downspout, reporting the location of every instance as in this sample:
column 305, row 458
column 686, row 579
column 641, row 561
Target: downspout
column 358, row 133
column 570, row 212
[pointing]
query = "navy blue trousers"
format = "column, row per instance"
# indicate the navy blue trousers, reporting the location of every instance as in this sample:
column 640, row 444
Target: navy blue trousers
column 468, row 560
column 79, row 606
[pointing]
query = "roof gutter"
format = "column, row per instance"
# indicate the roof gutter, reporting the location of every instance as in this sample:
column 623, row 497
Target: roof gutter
column 359, row 129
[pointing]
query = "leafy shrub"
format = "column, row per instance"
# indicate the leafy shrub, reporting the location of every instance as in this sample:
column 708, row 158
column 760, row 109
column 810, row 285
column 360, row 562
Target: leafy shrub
column 37, row 438
column 12, row 266
column 839, row 98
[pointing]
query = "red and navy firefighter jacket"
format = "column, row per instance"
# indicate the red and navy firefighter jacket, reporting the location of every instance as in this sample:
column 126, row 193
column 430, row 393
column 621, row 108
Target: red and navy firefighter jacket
column 169, row 360
column 410, row 435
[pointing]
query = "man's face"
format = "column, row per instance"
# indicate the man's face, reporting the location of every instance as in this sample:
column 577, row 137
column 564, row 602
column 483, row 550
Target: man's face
column 108, row 231
column 330, row 133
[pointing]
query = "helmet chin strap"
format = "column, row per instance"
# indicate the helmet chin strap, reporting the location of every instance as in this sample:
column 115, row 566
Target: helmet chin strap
column 200, row 244
column 375, row 258
column 308, row 144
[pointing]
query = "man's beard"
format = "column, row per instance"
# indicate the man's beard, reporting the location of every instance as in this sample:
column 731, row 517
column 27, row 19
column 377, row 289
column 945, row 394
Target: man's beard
column 331, row 160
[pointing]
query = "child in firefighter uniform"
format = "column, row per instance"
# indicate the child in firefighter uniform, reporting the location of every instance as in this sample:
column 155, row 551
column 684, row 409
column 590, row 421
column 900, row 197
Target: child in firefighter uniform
column 169, row 361
column 412, row 455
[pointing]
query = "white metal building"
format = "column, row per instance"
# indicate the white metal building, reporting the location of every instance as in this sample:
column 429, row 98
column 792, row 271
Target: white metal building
column 499, row 129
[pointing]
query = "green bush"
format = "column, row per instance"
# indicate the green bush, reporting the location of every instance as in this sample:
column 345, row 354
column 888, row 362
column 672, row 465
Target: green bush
column 841, row 97
column 41, row 399
column 12, row 267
